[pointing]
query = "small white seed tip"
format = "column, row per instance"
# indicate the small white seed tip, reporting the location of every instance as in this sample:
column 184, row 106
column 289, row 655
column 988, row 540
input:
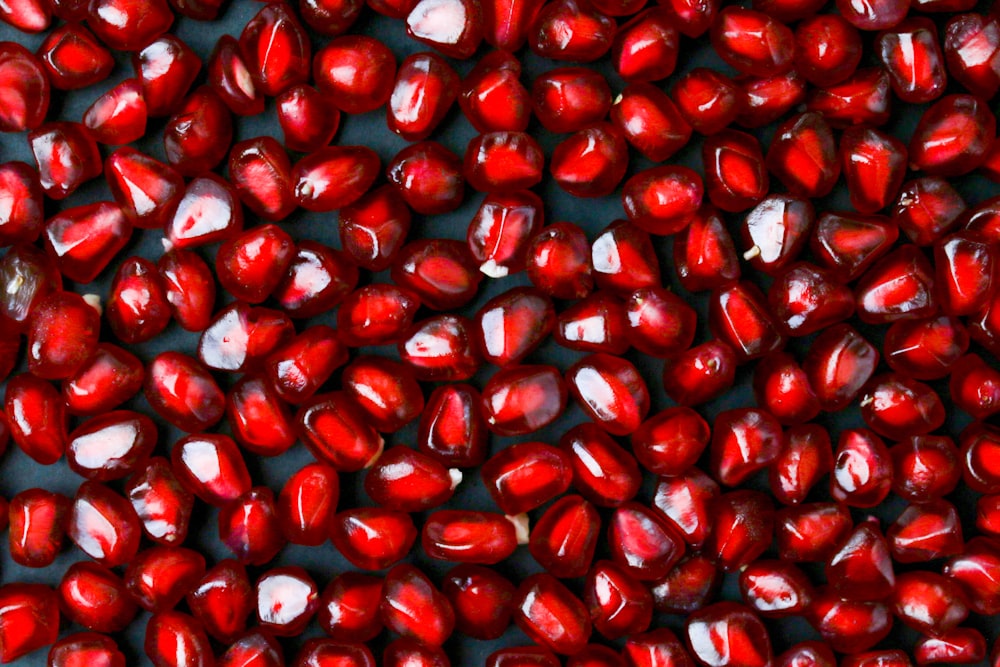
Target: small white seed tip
column 456, row 477
column 521, row 528
column 94, row 301
column 751, row 253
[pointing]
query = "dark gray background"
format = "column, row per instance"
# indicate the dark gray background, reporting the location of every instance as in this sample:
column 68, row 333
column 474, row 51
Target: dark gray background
column 323, row 563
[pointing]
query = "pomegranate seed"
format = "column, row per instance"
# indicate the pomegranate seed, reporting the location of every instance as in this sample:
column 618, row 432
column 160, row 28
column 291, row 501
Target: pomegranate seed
column 662, row 200
column 240, row 336
column 307, row 117
column 650, row 121
column 735, row 176
column 103, row 525
column 564, row 539
column 838, row 364
column 927, row 209
column 861, row 569
column 425, row 88
column 72, row 57
column 483, row 600
column 671, row 441
column 912, row 56
column 256, row 647
column 522, row 656
column 570, row 99
column 776, row 231
column 319, row 652
column 812, row 531
column 318, row 278
column 119, row 115
column 189, row 286
column 373, row 538
column 330, row 17
column 429, row 177
column 230, row 78
column 689, row 586
column 166, row 68
column 357, row 71
column 512, row 325
column 492, row 97
column 146, row 189
column 260, row 421
column 137, row 307
column 744, row 441
column 953, row 136
column 162, row 503
column 926, row 532
column 524, row 476
column 261, row 173
column 924, row 467
column 619, row 604
column 928, row 602
column 198, row 134
column 706, row 99
column 686, row 501
column 803, row 156
column 743, row 528
column 739, row 37
column 248, row 526
column 174, row 638
column 111, row 445
column 276, row 49
column 86, row 648
column 210, row 466
column 646, row 47
column 336, row 431
column 551, row 615
column 603, row 472
column 849, row 626
column 22, row 222
column 374, row 228
column 93, row 596
column 452, row 428
column 611, row 392
column 349, row 607
column 37, row 418
column 775, row 588
column 411, row 606
column 29, row 619
column 976, row 571
column 656, row 647
column 827, row 49
column 961, row 645
column 442, row 348
column 597, row 323
column 410, row 481
column 738, row 316
column 307, row 504
column 728, row 633
column 979, row 444
column 848, row 243
column 158, row 577
column 62, row 335
column 963, row 35
column 861, row 99
column 700, row 373
column 499, row 162
column 704, row 253
column 643, row 541
column 925, row 349
column 782, row 388
column 888, row 657
column 591, row 162
column 208, row 212
column 287, row 600
column 37, row 526
column 468, row 536
column 222, row 600
column 624, row 259
column 181, row 391
column 523, row 399
column 764, row 100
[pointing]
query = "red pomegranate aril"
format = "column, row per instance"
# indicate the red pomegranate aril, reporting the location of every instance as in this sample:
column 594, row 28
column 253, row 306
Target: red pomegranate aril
column 611, row 392
column 248, row 527
column 960, row 645
column 21, row 221
column 524, row 476
column 805, row 459
column 441, row 348
column 119, row 115
column 111, row 445
column 926, row 532
column 166, row 68
column 662, row 200
column 671, row 441
column 307, row 504
column 93, row 596
column 198, row 134
column 373, row 538
column 807, row 299
column 976, row 570
column 656, row 647
column 912, row 56
column 953, row 136
column 410, row 481
column 452, row 428
column 425, row 88
column 374, row 228
column 874, row 165
column 738, row 316
column 103, row 525
column 209, row 212
column 25, row 87
column 333, row 177
column 482, row 599
column 107, row 379
column 596, row 323
column 743, row 528
column 761, row 101
column 183, row 392
column 453, row 27
column 511, row 325
column 744, row 441
column 83, row 239
column 86, row 648
column 492, row 96
column 37, row 527
column 803, row 156
column 349, row 607
column 752, row 42
column 321, row 652
column 357, row 71
column 570, row 99
column 307, row 117
column 927, row 209
column 603, row 472
column 646, row 47
column 161, row 502
column 189, row 287
column 551, row 615
column 864, row 98
column 650, row 121
column 376, row 314
column 230, row 78
column 210, row 466
column 898, row 407
column 901, row 285
column 73, row 59
column 29, row 619
column 37, row 418
column 261, row 173
column 159, row 577
column 838, row 364
column 925, row 349
column 704, row 253
column 706, row 99
column 287, row 599
column 239, row 337
column 643, row 541
column 499, row 234
column 619, row 604
column 255, row 648
column 928, row 602
column 849, row 626
column 971, row 42
column 468, row 536
column 174, row 639
column 776, row 231
column 67, row 157
column 318, row 279
column 129, row 26
column 251, row 265
column 222, row 600
column 862, row 469
column 406, row 652
column 330, row 17
column 735, row 176
column 337, row 431
column 686, row 501
column 137, row 307
column 564, row 538
column 700, row 374
column 827, row 49
column 570, row 30
column 624, row 259
column 988, row 515
column 861, row 568
column 413, row 607
column 965, row 272
column 728, row 633
column 591, row 162
column 980, row 444
column 259, row 419
column 811, row 532
column 62, row 335
column 782, row 388
column 519, row 400
column 429, row 177
column 689, row 586
column 873, row 14
column 276, row 49
column 925, row 467
column 500, row 162
column 146, row 189
column 775, row 588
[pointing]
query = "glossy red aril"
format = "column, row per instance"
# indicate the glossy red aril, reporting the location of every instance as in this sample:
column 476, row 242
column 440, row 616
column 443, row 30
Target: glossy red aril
column 928, row 602
column 524, row 476
column 183, row 392
column 452, row 428
column 469, row 536
column 565, row 537
column 146, row 189
column 764, row 100
column 84, row 239
column 29, row 619
column 624, row 259
column 189, row 286
column 551, row 615
column 483, row 600
column 337, row 431
column 706, row 99
column 611, row 392
column 85, row 648
column 404, row 652
column 807, row 299
column 197, row 136
column 980, row 444
column 744, row 441
column 93, row 596
column 862, row 99
column 62, row 335
column 250, row 266
column 440, row 272
column 643, row 541
column 925, row 467
column 898, row 407
column 671, row 441
column 738, row 316
column 971, row 44
column 591, row 162
column 111, row 445
column 211, row 466
column 492, row 96
column 307, row 504
column 686, row 500
column 656, row 647
column 849, row 626
column 357, row 71
column 330, row 17
column 811, row 532
column 597, row 323
column 319, row 652
column 977, row 570
column 72, row 57
column 953, row 136
column 776, row 231
column 912, row 56
column 21, row 221
column 103, row 525
column 735, row 176
column 646, row 47
column 259, row 419
column 222, row 600
column 861, row 568
column 900, row 286
column 129, row 26
column 413, row 607
column 348, row 607
column 175, row 639
column 166, row 68
column 209, row 212
column 511, row 325
column 373, row 538
column 728, row 633
column 37, row 526
column 743, row 528
column 925, row 349
column 410, row 481
column 874, row 164
column 240, row 336
column 287, row 599
column 37, row 418
column 650, row 121
column 248, row 526
column 925, row 532
column 569, row 30
column 805, row 459
column 827, row 49
column 570, row 99
column 965, row 272
column 619, row 605
column 704, row 254
column 782, row 388
column 775, row 588
column 662, row 200
column 753, row 42
column 276, row 49
column 162, row 503
column 158, row 577
column 838, row 364
column 803, row 156
column 960, row 645
column 333, row 177
column 441, row 348
column 700, row 373
column 137, row 307
column 318, row 278
column 927, row 209
column 689, row 586
column 862, row 469
column 261, row 173
column 254, row 648
column 429, row 177
column 66, row 155
column 873, row 14
column 119, row 115
column 499, row 233
column 230, row 78
column 426, row 86
column 886, row 658
column 519, row 400
column 374, row 228
column 603, row 471
column 453, row 27
column 307, row 118
column 503, row 162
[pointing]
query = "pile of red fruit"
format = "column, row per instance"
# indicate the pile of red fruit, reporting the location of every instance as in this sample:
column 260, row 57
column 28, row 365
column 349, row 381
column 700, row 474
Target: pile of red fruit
column 415, row 367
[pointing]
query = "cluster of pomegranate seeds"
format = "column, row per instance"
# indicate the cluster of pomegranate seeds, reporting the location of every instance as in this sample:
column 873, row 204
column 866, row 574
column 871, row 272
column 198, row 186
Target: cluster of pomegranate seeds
column 593, row 333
